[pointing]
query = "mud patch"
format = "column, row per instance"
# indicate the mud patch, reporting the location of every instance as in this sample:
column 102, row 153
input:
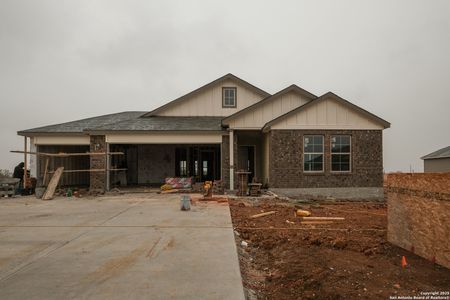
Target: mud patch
column 170, row 244
column 116, row 266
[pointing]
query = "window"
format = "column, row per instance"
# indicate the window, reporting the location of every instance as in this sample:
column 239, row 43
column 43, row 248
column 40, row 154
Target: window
column 181, row 165
column 340, row 153
column 313, row 153
column 196, row 168
column 229, row 97
column 183, row 168
column 205, row 168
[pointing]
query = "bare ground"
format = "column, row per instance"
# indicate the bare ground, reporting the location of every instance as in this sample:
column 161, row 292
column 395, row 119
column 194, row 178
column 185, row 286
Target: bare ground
column 344, row 260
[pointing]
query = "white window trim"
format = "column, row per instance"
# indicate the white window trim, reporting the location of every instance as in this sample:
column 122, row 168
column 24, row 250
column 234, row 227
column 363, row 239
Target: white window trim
column 349, row 153
column 322, row 153
column 223, row 97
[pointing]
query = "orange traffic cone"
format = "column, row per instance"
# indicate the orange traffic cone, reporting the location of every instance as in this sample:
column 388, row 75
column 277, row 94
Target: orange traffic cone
column 404, row 264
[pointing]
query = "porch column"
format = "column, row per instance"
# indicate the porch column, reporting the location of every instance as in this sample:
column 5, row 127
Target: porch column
column 231, row 160
column 25, row 161
column 98, row 179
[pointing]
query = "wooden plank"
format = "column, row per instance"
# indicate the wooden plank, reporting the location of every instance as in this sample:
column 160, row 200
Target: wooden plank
column 316, row 222
column 25, row 181
column 262, row 214
column 50, row 191
column 62, row 154
column 170, row 191
column 88, row 170
column 323, row 218
column 44, row 180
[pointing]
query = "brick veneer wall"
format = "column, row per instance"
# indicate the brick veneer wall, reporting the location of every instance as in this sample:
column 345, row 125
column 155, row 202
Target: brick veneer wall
column 225, row 157
column 98, row 179
column 286, row 160
column 418, row 206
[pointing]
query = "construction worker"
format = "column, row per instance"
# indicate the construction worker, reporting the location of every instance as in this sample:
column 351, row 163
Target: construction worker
column 18, row 173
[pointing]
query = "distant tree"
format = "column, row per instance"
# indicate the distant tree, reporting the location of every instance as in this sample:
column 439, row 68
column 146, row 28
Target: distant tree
column 4, row 173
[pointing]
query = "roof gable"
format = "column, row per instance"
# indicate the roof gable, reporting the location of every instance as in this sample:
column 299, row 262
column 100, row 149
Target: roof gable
column 292, row 88
column 226, row 78
column 341, row 114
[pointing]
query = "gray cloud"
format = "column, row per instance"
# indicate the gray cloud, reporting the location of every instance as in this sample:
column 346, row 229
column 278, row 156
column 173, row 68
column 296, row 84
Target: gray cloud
column 65, row 60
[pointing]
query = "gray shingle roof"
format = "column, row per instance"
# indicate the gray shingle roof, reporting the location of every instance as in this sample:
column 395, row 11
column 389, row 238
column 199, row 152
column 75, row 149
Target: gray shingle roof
column 441, row 153
column 80, row 125
column 132, row 121
column 165, row 124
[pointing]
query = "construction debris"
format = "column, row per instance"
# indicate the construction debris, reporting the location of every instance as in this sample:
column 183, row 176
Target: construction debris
column 323, row 218
column 48, row 195
column 185, row 202
column 303, row 213
column 208, row 189
column 8, row 186
column 316, row 222
column 255, row 189
column 340, row 260
column 262, row 214
column 166, row 187
column 172, row 191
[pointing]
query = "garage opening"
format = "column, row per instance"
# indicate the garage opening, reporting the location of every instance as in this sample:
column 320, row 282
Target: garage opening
column 150, row 164
column 68, row 179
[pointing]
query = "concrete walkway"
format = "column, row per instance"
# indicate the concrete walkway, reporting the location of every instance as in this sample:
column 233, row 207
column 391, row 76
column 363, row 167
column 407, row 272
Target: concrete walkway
column 134, row 246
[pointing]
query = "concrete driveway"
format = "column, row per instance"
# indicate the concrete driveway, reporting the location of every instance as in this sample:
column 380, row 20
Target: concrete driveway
column 133, row 246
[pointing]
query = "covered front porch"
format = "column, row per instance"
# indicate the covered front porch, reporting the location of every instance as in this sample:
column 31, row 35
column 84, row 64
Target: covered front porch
column 249, row 152
column 151, row 164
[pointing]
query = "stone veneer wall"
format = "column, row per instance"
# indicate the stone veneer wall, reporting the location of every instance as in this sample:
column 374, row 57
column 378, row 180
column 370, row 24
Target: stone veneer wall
column 98, row 179
column 418, row 214
column 225, row 157
column 286, row 160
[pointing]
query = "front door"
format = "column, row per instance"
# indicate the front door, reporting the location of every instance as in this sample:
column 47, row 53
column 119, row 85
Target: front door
column 246, row 160
column 207, row 168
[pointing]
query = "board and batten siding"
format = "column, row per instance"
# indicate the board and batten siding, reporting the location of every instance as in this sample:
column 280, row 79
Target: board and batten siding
column 327, row 114
column 209, row 102
column 256, row 118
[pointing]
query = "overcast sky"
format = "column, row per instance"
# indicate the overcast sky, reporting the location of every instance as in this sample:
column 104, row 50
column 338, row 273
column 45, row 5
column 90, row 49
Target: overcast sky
column 67, row 60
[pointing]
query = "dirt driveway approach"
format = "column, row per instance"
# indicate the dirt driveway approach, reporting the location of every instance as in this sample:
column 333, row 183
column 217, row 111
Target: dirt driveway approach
column 135, row 246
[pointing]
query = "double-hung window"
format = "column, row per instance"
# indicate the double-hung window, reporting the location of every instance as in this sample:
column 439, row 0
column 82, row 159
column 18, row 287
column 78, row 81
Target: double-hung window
column 229, row 97
column 340, row 153
column 313, row 153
